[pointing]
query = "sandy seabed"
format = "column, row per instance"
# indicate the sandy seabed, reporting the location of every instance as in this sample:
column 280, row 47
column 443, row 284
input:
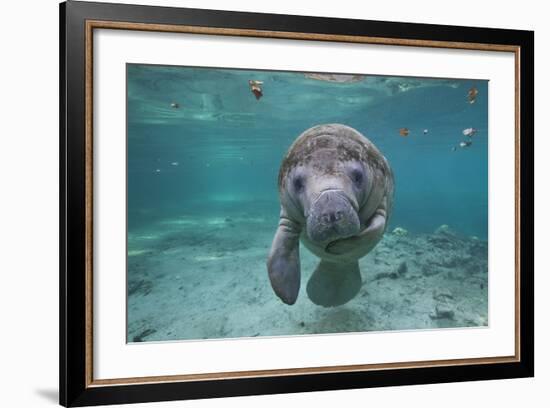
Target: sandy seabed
column 204, row 277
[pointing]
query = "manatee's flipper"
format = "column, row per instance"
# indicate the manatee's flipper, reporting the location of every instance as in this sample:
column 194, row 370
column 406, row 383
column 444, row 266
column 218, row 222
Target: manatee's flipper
column 283, row 263
column 334, row 283
column 360, row 245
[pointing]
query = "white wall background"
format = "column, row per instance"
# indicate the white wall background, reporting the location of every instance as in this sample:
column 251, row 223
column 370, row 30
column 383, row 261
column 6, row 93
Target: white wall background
column 29, row 204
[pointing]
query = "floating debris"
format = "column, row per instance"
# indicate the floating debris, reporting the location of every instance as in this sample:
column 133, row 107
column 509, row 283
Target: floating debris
column 157, row 171
column 463, row 144
column 338, row 78
column 404, row 132
column 472, row 95
column 175, row 163
column 175, row 105
column 425, row 131
column 256, row 88
column 469, row 132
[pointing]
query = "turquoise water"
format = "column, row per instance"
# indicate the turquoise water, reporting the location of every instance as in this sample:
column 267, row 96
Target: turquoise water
column 203, row 159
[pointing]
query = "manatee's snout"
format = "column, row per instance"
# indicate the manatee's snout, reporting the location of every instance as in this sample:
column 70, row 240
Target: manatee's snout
column 332, row 217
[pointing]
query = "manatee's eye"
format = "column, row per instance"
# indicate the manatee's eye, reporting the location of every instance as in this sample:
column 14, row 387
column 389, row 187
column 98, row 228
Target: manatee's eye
column 357, row 177
column 298, row 183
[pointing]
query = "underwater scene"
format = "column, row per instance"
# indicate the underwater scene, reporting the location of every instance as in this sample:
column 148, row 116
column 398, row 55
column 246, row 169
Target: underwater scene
column 270, row 203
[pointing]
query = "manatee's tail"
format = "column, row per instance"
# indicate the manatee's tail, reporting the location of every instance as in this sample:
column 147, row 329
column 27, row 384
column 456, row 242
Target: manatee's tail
column 334, row 283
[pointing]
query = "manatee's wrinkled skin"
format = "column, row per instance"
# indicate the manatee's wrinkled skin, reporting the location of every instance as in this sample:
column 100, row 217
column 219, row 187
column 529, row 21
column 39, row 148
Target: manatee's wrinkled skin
column 336, row 193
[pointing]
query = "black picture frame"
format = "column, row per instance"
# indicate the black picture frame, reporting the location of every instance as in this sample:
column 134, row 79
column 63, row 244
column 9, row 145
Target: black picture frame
column 77, row 387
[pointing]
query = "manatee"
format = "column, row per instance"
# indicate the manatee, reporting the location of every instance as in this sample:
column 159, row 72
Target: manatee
column 336, row 195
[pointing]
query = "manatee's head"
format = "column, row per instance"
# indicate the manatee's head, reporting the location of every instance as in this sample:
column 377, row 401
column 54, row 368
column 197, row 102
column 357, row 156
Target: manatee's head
column 332, row 216
column 325, row 181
